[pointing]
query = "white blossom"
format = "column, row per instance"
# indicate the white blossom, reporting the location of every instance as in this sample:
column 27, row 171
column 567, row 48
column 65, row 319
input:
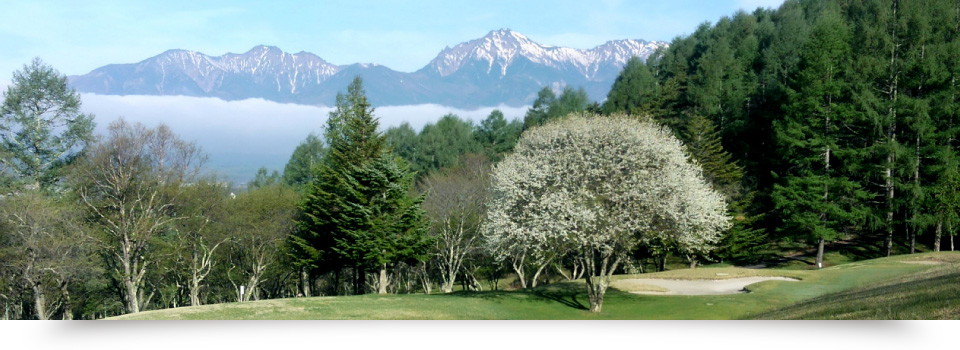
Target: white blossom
column 599, row 186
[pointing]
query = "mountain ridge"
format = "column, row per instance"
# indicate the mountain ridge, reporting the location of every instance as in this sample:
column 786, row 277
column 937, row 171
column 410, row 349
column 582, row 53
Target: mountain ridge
column 502, row 67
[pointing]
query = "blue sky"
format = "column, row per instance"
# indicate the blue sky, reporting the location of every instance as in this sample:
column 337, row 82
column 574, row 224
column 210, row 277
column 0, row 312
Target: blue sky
column 78, row 36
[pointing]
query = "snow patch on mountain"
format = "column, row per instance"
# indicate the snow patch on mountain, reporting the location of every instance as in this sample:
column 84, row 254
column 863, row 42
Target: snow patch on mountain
column 501, row 47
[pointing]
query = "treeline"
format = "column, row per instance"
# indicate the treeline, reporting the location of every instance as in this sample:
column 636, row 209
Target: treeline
column 842, row 114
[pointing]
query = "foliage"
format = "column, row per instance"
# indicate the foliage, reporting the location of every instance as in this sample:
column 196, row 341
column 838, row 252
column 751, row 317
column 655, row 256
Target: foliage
column 548, row 106
column 299, row 170
column 633, row 91
column 261, row 220
column 454, row 203
column 49, row 249
column 41, row 127
column 598, row 187
column 128, row 185
column 357, row 212
column 261, row 179
column 496, row 136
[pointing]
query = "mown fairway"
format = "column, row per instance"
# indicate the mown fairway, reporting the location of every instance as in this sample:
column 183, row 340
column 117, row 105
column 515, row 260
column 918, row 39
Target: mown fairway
column 885, row 279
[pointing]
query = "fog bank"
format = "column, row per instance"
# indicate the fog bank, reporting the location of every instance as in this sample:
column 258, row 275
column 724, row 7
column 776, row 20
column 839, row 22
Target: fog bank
column 241, row 136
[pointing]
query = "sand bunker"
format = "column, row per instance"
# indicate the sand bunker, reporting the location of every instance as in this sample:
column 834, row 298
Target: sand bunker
column 702, row 287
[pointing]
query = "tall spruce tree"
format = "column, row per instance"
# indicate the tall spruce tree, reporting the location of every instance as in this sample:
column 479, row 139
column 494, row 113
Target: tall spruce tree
column 356, row 213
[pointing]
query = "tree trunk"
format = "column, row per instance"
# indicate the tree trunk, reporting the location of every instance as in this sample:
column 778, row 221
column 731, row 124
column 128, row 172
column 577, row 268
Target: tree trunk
column 518, row 268
column 357, row 280
column 913, row 241
column 936, row 239
column 67, row 306
column 598, row 278
column 425, row 279
column 39, row 301
column 820, row 254
column 892, row 135
column 382, row 282
column 449, row 277
column 693, row 263
column 536, row 276
column 305, row 281
column 252, row 285
column 194, row 290
column 133, row 303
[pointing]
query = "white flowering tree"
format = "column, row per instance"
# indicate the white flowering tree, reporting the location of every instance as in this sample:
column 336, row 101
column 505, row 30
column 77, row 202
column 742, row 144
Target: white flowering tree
column 597, row 187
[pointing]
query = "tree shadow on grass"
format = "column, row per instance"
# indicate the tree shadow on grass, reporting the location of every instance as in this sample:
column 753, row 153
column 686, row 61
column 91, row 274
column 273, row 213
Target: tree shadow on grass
column 562, row 293
column 567, row 298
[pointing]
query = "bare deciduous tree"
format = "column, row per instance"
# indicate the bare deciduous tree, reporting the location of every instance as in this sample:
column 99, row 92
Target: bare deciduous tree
column 260, row 220
column 455, row 205
column 48, row 247
column 130, row 182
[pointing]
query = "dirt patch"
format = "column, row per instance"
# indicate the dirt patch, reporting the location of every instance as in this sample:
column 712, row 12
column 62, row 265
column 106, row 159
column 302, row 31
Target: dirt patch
column 694, row 287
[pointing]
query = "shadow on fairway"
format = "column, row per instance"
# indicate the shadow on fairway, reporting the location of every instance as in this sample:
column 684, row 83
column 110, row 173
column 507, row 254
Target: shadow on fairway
column 562, row 293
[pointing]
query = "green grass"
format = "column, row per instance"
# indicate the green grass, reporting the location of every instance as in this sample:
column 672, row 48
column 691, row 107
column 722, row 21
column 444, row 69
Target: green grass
column 568, row 300
column 933, row 294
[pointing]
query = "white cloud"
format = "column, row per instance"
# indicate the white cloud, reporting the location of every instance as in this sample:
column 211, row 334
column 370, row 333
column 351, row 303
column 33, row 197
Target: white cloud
column 241, row 136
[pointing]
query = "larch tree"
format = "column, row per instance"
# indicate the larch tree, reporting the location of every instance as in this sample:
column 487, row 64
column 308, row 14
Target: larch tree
column 634, row 91
column 598, row 187
column 299, row 169
column 497, row 136
column 41, row 127
column 817, row 198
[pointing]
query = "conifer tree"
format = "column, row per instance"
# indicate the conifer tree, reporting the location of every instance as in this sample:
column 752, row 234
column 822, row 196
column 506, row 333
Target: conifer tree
column 816, row 198
column 497, row 136
column 356, row 213
column 41, row 127
column 634, row 91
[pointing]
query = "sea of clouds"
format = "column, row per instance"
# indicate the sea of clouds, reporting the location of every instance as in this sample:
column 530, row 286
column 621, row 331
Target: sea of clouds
column 242, row 136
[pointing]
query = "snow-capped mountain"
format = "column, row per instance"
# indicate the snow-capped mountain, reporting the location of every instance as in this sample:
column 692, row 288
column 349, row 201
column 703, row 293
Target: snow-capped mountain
column 264, row 71
column 500, row 48
column 503, row 67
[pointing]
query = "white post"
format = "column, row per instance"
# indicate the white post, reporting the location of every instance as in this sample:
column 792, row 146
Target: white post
column 241, row 294
column 819, row 266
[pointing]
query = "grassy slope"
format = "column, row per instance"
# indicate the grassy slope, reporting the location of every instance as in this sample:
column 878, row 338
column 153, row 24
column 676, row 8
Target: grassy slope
column 931, row 294
column 568, row 300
